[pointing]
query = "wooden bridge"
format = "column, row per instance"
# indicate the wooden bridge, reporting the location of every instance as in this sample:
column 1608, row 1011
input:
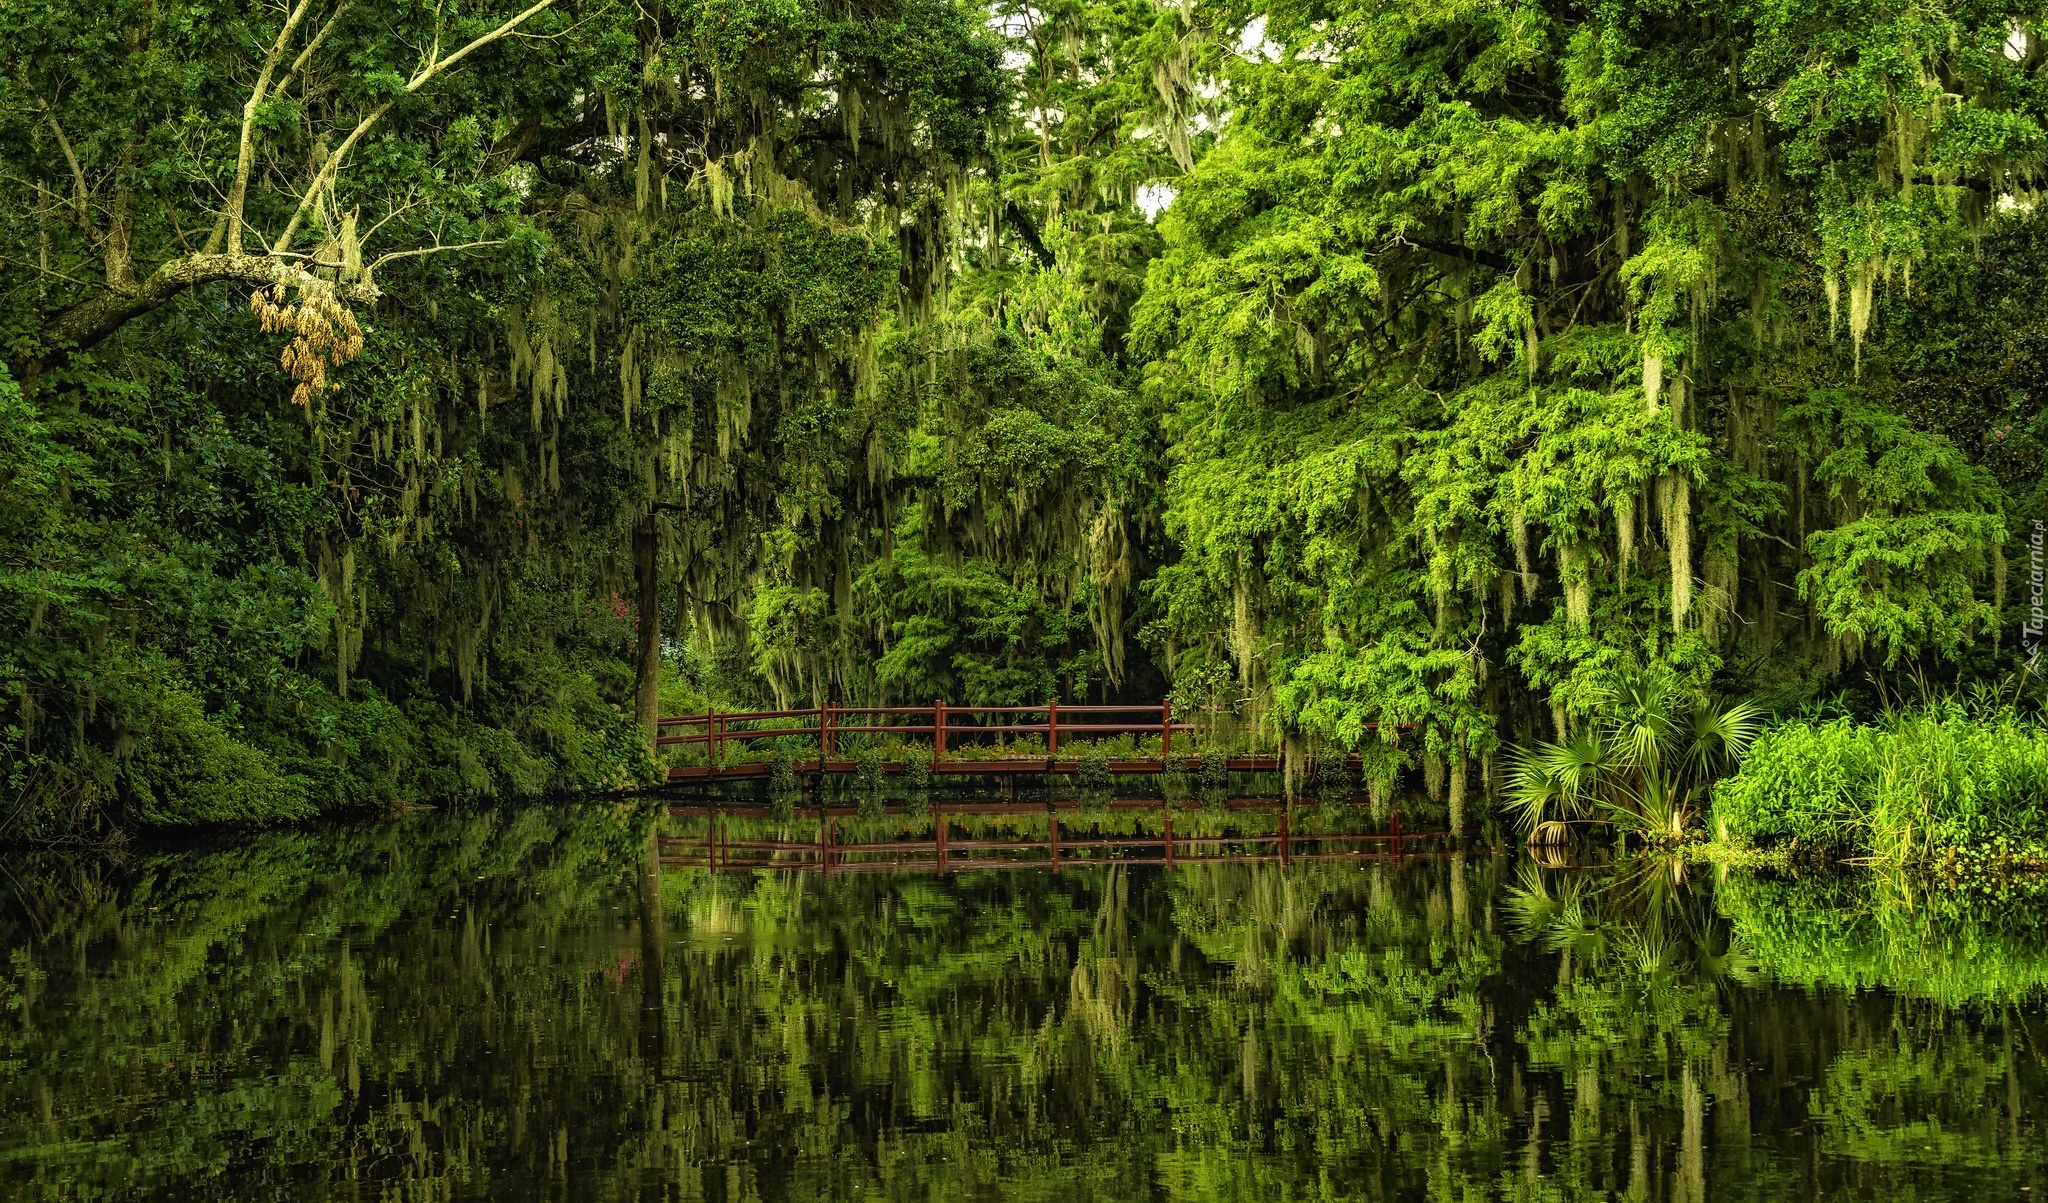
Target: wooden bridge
column 965, row 740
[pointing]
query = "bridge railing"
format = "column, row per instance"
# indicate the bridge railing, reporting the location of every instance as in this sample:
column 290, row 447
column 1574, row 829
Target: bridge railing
column 938, row 723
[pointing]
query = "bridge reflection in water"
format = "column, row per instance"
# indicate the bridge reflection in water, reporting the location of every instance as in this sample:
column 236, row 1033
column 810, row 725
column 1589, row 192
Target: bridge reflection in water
column 963, row 835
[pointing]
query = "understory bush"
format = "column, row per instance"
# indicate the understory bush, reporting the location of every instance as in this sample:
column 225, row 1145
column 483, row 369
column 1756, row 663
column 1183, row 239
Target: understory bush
column 186, row 769
column 1932, row 782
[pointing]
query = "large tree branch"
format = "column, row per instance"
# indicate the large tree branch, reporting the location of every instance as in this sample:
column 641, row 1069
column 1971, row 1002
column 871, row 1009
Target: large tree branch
column 89, row 321
column 1452, row 250
column 429, row 70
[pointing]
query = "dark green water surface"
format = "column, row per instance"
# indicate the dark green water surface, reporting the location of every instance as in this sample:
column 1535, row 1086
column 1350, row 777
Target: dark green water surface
column 532, row 1006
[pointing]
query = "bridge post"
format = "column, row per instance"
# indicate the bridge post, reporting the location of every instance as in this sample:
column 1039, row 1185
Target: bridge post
column 828, row 746
column 1166, row 729
column 1052, row 727
column 938, row 729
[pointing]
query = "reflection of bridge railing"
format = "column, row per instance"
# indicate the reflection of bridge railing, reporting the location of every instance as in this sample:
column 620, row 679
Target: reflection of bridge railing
column 939, row 723
column 949, row 729
column 942, row 852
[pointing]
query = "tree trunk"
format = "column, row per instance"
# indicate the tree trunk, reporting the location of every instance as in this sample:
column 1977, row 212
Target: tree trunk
column 647, row 666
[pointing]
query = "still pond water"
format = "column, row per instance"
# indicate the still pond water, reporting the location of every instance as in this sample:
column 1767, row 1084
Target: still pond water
column 534, row 1006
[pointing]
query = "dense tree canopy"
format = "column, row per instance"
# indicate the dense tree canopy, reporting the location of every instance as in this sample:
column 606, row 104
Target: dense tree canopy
column 400, row 398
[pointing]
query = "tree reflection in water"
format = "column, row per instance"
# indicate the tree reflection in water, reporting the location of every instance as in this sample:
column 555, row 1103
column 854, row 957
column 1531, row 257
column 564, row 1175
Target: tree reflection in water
column 530, row 1005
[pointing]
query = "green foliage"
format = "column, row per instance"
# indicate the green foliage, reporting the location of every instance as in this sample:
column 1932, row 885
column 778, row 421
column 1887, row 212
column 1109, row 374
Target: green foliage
column 519, row 330
column 1382, row 376
column 1495, row 349
column 869, row 781
column 1646, row 762
column 1935, row 782
column 1095, row 775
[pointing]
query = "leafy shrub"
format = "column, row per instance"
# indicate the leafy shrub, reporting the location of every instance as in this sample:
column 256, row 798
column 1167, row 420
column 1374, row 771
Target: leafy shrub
column 917, row 766
column 868, row 779
column 1095, row 776
column 1924, row 783
column 1797, row 785
column 186, row 769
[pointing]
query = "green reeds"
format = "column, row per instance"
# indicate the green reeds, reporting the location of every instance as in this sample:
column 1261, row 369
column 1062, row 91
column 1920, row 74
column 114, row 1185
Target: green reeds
column 1934, row 782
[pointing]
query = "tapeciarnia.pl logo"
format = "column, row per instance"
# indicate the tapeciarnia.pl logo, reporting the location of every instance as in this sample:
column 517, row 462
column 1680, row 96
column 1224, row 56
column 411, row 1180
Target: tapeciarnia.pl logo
column 2037, row 582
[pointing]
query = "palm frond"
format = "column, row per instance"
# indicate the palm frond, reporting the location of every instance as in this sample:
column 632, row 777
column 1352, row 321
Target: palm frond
column 1721, row 735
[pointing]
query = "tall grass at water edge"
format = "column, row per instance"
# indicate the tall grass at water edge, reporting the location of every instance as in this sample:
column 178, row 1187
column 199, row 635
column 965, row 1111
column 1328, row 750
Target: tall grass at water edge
column 1940, row 781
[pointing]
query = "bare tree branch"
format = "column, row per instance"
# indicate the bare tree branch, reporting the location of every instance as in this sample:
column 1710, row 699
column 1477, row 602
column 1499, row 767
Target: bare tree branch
column 54, row 274
column 312, row 47
column 429, row 70
column 436, row 249
column 245, row 156
column 82, row 193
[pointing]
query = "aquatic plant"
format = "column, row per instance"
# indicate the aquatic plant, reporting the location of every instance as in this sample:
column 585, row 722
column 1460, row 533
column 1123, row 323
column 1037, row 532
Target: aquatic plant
column 917, row 760
column 1174, row 785
column 869, row 778
column 785, row 788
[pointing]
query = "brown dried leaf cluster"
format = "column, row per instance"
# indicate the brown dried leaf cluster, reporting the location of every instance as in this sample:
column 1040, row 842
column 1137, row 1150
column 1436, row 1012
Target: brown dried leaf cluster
column 324, row 334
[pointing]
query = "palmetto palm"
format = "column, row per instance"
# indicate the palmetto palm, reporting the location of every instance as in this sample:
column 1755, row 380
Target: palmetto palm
column 1654, row 745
